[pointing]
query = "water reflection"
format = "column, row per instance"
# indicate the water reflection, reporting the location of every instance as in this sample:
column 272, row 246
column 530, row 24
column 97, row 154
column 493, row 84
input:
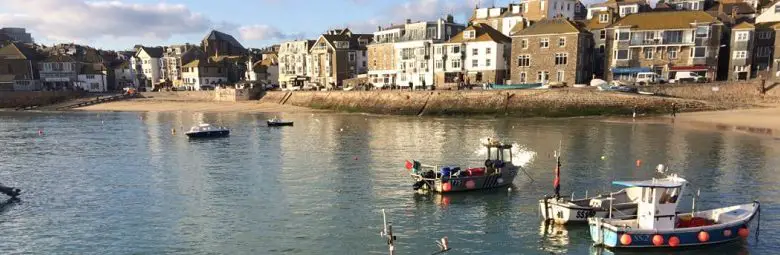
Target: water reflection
column 554, row 238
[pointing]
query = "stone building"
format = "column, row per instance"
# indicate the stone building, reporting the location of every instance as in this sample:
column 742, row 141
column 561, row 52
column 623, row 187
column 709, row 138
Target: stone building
column 598, row 28
column 552, row 50
column 664, row 43
column 338, row 55
column 741, row 52
column 294, row 64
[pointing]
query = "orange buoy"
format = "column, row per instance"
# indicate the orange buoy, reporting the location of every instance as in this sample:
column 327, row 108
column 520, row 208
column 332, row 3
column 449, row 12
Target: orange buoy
column 446, row 186
column 727, row 232
column 658, row 240
column 743, row 232
column 674, row 241
column 638, row 162
column 625, row 239
column 704, row 236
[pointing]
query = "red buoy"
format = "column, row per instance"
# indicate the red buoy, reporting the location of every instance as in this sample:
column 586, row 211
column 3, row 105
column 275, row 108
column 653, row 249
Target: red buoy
column 470, row 184
column 658, row 240
column 625, row 239
column 704, row 236
column 674, row 241
column 638, row 162
column 743, row 232
column 446, row 186
column 727, row 232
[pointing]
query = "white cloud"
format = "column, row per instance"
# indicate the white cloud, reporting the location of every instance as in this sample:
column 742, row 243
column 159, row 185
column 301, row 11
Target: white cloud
column 416, row 10
column 261, row 33
column 78, row 20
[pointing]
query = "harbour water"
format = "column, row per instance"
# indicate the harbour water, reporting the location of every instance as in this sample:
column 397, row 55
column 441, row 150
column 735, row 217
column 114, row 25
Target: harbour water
column 123, row 183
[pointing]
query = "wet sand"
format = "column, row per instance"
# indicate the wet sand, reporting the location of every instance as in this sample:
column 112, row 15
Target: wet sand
column 156, row 105
column 756, row 121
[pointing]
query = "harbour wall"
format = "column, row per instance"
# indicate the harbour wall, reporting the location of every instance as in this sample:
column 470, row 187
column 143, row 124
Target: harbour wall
column 522, row 103
column 13, row 99
column 726, row 94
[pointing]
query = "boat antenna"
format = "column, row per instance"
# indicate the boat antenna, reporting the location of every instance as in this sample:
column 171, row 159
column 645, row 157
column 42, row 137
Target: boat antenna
column 388, row 232
column 557, row 180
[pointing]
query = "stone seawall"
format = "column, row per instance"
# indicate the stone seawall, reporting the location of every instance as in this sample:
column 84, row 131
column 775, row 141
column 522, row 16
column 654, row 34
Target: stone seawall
column 14, row 99
column 204, row 95
column 726, row 94
column 524, row 103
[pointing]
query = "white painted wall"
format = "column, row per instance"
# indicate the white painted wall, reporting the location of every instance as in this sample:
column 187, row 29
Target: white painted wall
column 769, row 15
column 496, row 60
column 563, row 7
column 92, row 83
column 414, row 74
column 592, row 10
column 509, row 23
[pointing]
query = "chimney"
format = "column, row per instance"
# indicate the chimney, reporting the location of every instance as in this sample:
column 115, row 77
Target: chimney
column 408, row 21
column 378, row 28
column 734, row 13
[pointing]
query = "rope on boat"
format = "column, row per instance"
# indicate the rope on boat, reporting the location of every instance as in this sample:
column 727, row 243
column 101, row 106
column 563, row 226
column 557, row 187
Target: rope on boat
column 526, row 174
column 758, row 226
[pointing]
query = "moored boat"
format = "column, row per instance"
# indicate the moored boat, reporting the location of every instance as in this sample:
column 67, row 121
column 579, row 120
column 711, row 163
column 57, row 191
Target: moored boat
column 207, row 131
column 565, row 210
column 276, row 122
column 515, row 86
column 498, row 171
column 658, row 225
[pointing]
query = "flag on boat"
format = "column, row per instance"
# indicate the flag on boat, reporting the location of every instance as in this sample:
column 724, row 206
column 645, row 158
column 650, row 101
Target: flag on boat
column 557, row 180
column 409, row 165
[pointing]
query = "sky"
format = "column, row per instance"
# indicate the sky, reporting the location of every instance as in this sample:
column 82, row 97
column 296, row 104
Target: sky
column 120, row 24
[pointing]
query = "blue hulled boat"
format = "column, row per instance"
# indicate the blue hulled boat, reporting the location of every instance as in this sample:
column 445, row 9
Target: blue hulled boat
column 207, row 131
column 658, row 225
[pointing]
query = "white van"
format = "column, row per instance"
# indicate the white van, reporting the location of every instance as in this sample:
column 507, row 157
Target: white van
column 645, row 78
column 686, row 76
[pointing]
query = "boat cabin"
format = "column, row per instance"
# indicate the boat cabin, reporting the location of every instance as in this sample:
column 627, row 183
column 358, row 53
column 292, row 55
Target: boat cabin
column 657, row 206
column 204, row 127
column 497, row 153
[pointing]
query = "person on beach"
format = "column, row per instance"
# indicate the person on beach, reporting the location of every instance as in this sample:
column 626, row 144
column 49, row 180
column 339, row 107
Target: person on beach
column 411, row 86
column 634, row 115
column 674, row 110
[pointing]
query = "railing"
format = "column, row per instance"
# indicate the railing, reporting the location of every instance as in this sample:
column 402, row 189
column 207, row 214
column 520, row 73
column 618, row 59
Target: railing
column 658, row 41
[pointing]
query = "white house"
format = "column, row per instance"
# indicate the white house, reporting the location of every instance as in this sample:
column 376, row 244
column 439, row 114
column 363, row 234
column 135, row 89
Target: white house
column 501, row 19
column 478, row 55
column 92, row 78
column 150, row 60
column 204, row 74
column 770, row 14
column 125, row 75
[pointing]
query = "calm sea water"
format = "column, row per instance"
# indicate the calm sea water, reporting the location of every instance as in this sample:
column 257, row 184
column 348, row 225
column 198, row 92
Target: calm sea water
column 122, row 183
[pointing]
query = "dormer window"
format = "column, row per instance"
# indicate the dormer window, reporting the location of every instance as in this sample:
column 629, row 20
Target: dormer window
column 342, row 44
column 469, row 34
column 603, row 18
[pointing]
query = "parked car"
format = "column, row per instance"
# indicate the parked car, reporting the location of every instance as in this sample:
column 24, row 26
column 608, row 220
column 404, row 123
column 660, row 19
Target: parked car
column 647, row 78
column 685, row 77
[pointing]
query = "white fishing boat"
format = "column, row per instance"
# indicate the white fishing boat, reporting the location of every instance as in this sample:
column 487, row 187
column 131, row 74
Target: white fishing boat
column 207, row 131
column 498, row 171
column 659, row 225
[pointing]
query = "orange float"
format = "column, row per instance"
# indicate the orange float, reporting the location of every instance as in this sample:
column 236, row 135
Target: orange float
column 674, row 241
column 625, row 239
column 658, row 240
column 470, row 184
column 743, row 232
column 704, row 236
column 446, row 186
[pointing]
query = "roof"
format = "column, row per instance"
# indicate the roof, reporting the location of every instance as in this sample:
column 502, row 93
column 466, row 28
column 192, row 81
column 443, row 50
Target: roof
column 58, row 58
column 744, row 25
column 215, row 35
column 352, row 39
column 740, row 7
column 155, row 52
column 93, row 69
column 551, row 26
column 6, row 78
column 484, row 33
column 768, row 25
column 670, row 182
column 609, row 3
column 664, row 20
column 201, row 63
column 594, row 23
column 120, row 64
column 19, row 51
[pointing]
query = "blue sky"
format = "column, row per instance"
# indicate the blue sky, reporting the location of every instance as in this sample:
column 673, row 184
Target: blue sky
column 120, row 24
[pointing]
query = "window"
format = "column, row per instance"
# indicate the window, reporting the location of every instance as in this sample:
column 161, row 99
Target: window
column 542, row 76
column 764, row 51
column 438, row 64
column 561, row 58
column 342, row 44
column 777, row 8
column 351, row 57
column 455, row 49
column 603, row 18
column 601, row 49
column 474, row 63
column 621, row 54
column 487, row 62
column 743, row 36
column 544, row 43
column 702, row 31
column 700, row 52
column 146, row 61
column 364, row 64
column 523, row 77
column 764, row 34
column 524, row 43
column 603, row 34
column 469, row 34
column 456, row 63
column 94, row 86
column 622, row 36
column 561, row 42
column 438, row 50
column 740, row 69
column 487, row 51
column 560, row 76
column 672, row 53
column 648, row 53
column 474, row 52
column 524, row 61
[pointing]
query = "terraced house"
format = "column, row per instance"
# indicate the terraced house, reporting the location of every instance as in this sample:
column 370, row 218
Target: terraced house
column 414, row 64
column 552, row 50
column 338, row 55
column 665, row 43
column 478, row 55
column 294, row 67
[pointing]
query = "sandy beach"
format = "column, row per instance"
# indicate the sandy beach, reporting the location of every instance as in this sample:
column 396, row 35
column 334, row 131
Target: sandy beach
column 762, row 121
column 157, row 105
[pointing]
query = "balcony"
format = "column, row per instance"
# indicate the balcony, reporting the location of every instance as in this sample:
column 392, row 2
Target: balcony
column 657, row 42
